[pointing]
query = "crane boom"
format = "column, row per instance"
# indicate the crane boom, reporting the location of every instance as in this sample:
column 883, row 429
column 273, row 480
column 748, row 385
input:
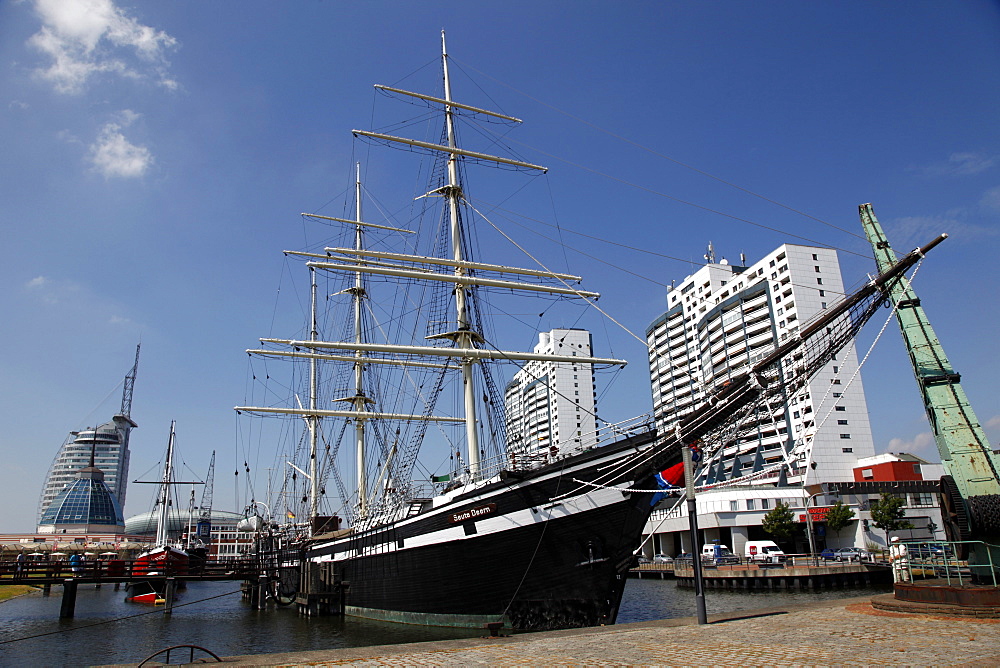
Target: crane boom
column 971, row 490
column 130, row 385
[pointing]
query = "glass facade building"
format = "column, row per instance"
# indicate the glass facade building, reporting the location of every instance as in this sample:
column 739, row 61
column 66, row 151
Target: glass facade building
column 109, row 444
column 85, row 506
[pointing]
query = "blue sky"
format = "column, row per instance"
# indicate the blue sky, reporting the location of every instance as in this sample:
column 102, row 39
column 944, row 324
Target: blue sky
column 156, row 157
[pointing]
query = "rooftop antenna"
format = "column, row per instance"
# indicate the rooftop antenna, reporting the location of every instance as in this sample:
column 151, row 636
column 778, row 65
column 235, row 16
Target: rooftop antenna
column 710, row 255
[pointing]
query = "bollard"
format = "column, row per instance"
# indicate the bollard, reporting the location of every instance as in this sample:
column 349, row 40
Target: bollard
column 261, row 591
column 168, row 605
column 68, row 599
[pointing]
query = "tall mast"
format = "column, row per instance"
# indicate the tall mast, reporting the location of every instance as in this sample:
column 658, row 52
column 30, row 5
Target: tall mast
column 359, row 399
column 161, row 522
column 313, row 417
column 464, row 337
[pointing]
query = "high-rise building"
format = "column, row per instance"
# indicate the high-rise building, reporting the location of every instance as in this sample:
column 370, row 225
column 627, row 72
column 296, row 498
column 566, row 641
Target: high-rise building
column 551, row 406
column 723, row 318
column 108, row 444
column 111, row 455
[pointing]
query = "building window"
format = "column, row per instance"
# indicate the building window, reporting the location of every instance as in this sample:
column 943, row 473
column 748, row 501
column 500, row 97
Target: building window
column 840, row 408
column 734, row 505
column 835, row 381
column 822, row 293
column 817, row 268
column 765, row 504
column 750, row 504
column 815, row 256
column 822, row 304
column 837, row 395
column 819, row 281
column 867, row 474
column 845, row 436
column 847, row 449
column 844, row 422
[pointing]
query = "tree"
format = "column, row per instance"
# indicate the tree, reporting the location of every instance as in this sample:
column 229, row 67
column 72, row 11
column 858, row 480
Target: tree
column 888, row 514
column 838, row 516
column 779, row 521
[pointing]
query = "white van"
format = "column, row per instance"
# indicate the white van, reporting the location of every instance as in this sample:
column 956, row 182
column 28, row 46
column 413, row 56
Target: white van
column 763, row 551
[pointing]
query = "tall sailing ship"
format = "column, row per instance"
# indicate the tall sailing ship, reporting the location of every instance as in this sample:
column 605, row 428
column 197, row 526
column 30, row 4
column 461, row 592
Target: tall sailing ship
column 164, row 559
column 529, row 537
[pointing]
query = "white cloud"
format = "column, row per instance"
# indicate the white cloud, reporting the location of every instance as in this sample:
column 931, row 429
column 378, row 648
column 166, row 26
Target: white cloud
column 992, row 427
column 990, row 201
column 962, row 164
column 72, row 300
column 922, row 445
column 115, row 156
column 912, row 231
column 82, row 38
column 49, row 291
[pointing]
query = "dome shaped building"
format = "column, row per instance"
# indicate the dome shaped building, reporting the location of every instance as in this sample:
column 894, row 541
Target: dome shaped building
column 85, row 506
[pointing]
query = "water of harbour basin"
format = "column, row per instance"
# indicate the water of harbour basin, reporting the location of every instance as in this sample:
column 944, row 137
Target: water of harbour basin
column 106, row 629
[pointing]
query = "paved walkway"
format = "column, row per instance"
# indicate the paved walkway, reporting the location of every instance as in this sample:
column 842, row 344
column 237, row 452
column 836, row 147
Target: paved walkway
column 833, row 633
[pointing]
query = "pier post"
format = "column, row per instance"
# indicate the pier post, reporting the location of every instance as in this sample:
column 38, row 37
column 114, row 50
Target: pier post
column 169, row 591
column 261, row 591
column 46, row 589
column 68, row 599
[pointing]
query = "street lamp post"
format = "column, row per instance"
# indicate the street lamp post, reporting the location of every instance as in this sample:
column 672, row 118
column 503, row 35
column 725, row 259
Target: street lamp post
column 809, row 525
column 699, row 583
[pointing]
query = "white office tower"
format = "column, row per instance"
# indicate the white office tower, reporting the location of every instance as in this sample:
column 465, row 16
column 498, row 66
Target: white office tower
column 725, row 317
column 551, row 406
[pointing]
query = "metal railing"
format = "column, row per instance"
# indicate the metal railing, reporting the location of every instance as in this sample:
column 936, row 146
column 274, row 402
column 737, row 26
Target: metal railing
column 39, row 571
column 941, row 558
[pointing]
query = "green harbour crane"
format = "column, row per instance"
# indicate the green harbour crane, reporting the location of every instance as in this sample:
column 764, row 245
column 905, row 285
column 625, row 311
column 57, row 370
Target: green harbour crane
column 970, row 490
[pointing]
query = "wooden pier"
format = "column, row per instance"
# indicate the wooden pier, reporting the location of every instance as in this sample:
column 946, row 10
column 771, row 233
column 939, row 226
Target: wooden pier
column 46, row 573
column 654, row 570
column 752, row 576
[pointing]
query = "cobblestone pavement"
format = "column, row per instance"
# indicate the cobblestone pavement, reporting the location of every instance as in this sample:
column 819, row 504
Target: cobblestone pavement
column 844, row 633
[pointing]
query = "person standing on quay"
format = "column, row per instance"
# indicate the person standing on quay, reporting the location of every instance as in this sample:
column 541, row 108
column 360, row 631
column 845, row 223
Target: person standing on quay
column 900, row 561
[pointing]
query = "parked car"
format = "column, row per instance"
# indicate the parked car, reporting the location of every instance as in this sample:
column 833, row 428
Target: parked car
column 643, row 559
column 716, row 553
column 845, row 554
column 851, row 554
column 662, row 559
column 928, row 551
column 686, row 557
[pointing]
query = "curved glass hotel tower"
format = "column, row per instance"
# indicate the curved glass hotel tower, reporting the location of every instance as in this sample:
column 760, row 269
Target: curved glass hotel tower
column 111, row 455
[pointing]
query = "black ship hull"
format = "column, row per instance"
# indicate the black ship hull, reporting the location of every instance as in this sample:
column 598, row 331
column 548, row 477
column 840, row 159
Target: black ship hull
column 535, row 551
